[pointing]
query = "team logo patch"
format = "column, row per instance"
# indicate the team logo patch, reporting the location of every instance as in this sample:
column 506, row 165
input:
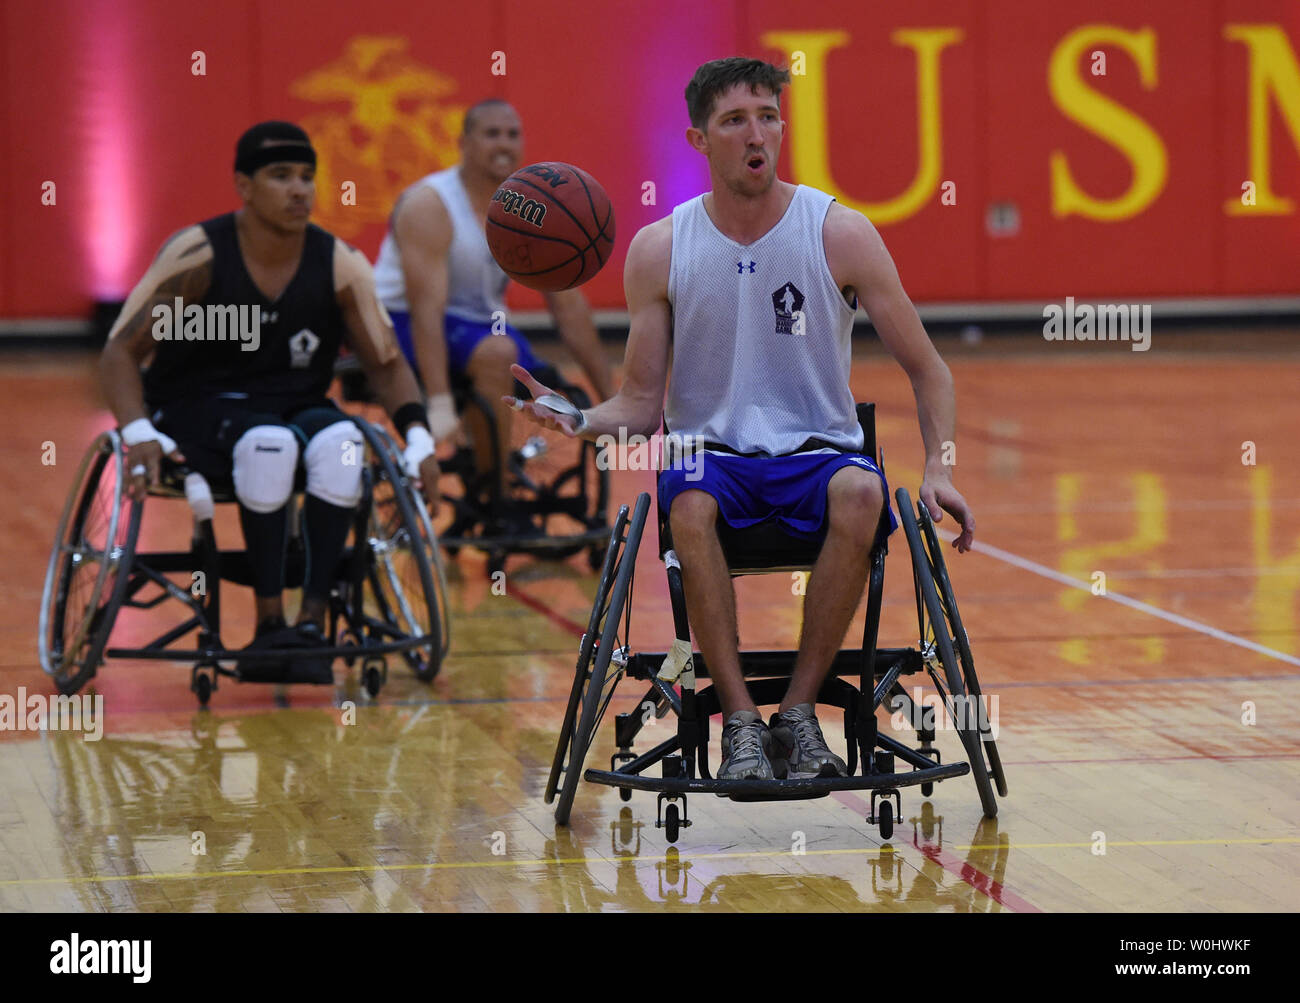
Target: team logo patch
column 302, row 346
column 787, row 302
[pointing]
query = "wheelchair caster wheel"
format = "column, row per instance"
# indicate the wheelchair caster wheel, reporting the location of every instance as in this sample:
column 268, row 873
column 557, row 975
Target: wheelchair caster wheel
column 625, row 793
column 672, row 823
column 927, row 790
column 203, row 689
column 596, row 557
column 373, row 673
column 886, row 815
column 349, row 640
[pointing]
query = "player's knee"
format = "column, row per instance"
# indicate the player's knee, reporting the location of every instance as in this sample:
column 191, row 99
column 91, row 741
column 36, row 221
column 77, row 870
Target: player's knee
column 265, row 459
column 333, row 460
column 692, row 513
column 492, row 358
column 855, row 500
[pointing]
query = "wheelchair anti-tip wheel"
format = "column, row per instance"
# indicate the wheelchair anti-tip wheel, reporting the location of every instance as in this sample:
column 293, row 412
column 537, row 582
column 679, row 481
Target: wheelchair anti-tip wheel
column 86, row 579
column 407, row 580
column 937, row 624
column 593, row 684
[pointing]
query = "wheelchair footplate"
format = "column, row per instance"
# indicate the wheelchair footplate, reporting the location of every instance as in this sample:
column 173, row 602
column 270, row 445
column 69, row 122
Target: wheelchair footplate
column 774, row 790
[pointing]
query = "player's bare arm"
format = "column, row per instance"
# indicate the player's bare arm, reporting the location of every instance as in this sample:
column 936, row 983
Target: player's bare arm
column 183, row 268
column 370, row 335
column 638, row 405
column 422, row 230
column 861, row 265
column 577, row 330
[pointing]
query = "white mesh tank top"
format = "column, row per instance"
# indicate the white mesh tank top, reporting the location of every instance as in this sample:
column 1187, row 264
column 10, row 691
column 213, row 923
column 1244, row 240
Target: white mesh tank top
column 476, row 283
column 761, row 334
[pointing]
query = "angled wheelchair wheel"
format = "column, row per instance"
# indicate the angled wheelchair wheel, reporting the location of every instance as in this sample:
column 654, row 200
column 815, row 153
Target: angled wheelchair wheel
column 406, row 574
column 88, row 571
column 938, row 650
column 593, row 683
column 939, row 569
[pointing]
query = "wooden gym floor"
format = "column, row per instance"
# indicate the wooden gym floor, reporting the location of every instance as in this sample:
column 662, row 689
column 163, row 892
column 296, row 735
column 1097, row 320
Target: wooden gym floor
column 1149, row 734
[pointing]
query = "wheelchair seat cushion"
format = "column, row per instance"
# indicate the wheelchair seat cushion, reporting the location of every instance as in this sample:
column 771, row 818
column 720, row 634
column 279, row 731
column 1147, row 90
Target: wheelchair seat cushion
column 784, row 494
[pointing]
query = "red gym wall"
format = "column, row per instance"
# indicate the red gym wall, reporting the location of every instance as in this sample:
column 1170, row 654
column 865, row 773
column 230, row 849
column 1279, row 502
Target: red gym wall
column 1063, row 179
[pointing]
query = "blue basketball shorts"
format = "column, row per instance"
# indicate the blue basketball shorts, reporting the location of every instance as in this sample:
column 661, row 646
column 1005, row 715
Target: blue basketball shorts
column 463, row 337
column 751, row 490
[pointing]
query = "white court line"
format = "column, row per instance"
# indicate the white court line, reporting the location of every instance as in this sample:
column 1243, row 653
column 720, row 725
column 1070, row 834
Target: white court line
column 1123, row 600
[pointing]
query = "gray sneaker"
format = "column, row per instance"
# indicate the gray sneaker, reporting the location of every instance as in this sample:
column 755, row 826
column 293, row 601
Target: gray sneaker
column 799, row 750
column 745, row 744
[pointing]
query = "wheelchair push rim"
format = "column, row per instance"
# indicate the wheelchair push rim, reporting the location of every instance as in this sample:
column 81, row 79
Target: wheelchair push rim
column 406, row 574
column 593, row 685
column 939, row 568
column 71, row 656
column 937, row 645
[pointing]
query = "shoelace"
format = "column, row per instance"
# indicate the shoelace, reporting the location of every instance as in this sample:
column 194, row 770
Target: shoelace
column 807, row 732
column 746, row 742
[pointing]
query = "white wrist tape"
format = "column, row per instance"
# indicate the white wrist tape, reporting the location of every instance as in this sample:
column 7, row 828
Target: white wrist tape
column 142, row 430
column 561, row 406
column 441, row 412
column 419, row 447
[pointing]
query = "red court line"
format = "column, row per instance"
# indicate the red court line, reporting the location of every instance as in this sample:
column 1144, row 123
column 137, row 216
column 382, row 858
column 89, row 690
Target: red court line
column 540, row 607
column 973, row 876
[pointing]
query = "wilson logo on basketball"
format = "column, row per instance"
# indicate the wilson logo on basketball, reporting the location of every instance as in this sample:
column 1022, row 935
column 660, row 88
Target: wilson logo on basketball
column 529, row 210
column 547, row 173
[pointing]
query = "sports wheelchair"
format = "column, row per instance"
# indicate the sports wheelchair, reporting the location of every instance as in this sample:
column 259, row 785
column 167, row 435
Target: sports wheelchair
column 390, row 597
column 886, row 763
column 556, row 497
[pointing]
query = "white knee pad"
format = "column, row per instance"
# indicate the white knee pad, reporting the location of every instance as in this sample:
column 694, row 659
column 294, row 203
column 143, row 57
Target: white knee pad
column 266, row 457
column 334, row 457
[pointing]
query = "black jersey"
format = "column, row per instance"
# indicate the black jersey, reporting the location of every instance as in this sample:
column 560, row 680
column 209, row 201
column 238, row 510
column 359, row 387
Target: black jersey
column 240, row 342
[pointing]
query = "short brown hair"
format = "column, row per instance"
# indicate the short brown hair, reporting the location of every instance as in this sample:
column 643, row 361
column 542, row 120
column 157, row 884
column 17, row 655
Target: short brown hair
column 717, row 76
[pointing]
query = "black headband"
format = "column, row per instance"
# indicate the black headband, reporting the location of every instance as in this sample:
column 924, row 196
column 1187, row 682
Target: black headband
column 272, row 143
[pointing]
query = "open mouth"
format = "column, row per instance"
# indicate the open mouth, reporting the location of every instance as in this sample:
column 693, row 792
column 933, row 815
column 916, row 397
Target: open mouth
column 756, row 163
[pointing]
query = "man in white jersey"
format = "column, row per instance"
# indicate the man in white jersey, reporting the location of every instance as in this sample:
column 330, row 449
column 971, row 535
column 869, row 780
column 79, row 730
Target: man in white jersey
column 768, row 393
column 446, row 293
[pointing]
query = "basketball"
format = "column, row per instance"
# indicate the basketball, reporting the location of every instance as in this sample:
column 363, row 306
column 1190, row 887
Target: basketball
column 550, row 226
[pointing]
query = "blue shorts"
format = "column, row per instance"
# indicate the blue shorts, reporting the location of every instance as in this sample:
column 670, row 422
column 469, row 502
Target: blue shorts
column 463, row 337
column 750, row 490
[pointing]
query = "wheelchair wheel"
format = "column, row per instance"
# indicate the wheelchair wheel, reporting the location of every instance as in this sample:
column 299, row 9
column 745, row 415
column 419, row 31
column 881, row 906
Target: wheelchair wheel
column 406, row 575
column 936, row 640
column 554, row 487
column 593, row 687
column 939, row 568
column 86, row 579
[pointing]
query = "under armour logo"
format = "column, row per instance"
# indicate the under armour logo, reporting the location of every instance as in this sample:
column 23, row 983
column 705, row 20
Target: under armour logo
column 740, row 267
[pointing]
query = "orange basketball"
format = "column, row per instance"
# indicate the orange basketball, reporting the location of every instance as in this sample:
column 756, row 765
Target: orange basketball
column 550, row 226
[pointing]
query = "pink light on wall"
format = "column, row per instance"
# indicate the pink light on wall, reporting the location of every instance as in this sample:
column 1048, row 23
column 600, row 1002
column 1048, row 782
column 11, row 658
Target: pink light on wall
column 110, row 110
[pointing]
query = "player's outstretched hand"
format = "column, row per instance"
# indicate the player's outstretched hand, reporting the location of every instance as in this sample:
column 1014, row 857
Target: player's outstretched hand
column 428, row 483
column 939, row 496
column 143, row 466
column 540, row 413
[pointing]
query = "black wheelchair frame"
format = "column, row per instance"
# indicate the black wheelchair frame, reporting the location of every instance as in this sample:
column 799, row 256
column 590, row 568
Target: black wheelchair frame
column 943, row 653
column 391, row 520
column 578, row 493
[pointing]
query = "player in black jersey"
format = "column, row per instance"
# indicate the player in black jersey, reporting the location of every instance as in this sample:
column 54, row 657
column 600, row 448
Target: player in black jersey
column 244, row 315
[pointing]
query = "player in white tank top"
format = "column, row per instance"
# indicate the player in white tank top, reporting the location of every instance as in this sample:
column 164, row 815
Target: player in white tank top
column 445, row 292
column 740, row 372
